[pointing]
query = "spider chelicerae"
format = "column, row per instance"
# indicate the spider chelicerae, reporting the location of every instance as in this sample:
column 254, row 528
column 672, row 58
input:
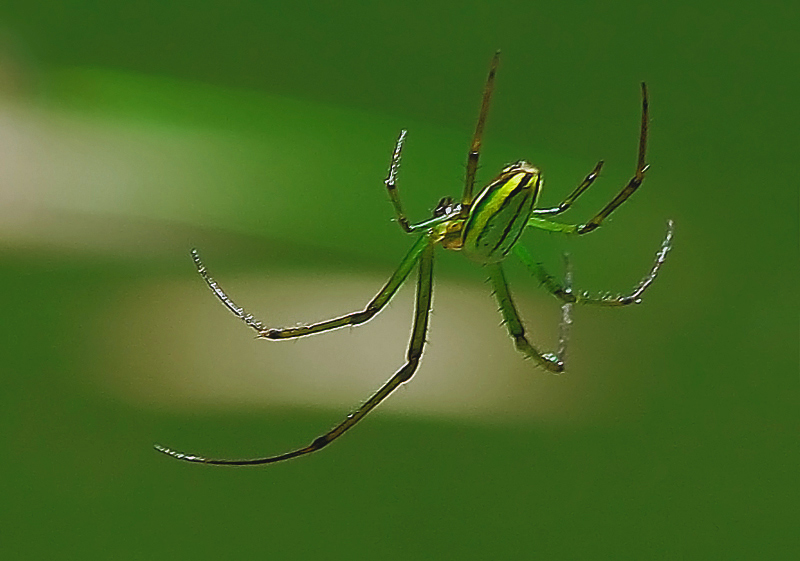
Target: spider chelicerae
column 485, row 228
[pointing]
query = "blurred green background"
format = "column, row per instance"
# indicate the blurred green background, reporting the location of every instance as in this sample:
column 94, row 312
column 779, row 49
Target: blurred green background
column 260, row 132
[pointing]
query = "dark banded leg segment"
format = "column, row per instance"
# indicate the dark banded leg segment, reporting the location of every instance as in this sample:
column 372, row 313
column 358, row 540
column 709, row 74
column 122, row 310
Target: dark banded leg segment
column 627, row 191
column 579, row 190
column 391, row 184
column 413, row 356
column 635, row 181
column 475, row 147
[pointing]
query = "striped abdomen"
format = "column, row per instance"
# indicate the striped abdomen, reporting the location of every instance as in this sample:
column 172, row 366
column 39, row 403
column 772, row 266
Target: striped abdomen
column 500, row 213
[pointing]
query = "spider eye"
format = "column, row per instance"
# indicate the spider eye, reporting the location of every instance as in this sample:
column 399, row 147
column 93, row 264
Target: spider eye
column 443, row 207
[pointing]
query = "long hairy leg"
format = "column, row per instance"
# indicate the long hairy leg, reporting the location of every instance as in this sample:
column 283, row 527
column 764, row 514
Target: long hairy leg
column 413, row 356
column 566, row 294
column 355, row 318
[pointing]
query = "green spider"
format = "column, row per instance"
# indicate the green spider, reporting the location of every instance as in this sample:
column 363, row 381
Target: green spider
column 486, row 229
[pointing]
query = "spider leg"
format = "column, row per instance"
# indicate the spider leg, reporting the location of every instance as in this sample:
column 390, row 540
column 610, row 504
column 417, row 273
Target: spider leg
column 475, row 147
column 573, row 196
column 391, row 187
column 391, row 184
column 552, row 362
column 413, row 356
column 566, row 294
column 355, row 318
column 636, row 180
column 566, row 314
column 633, row 184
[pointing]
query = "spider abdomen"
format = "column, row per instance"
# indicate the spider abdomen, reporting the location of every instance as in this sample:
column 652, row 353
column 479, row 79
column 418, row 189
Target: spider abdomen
column 500, row 213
